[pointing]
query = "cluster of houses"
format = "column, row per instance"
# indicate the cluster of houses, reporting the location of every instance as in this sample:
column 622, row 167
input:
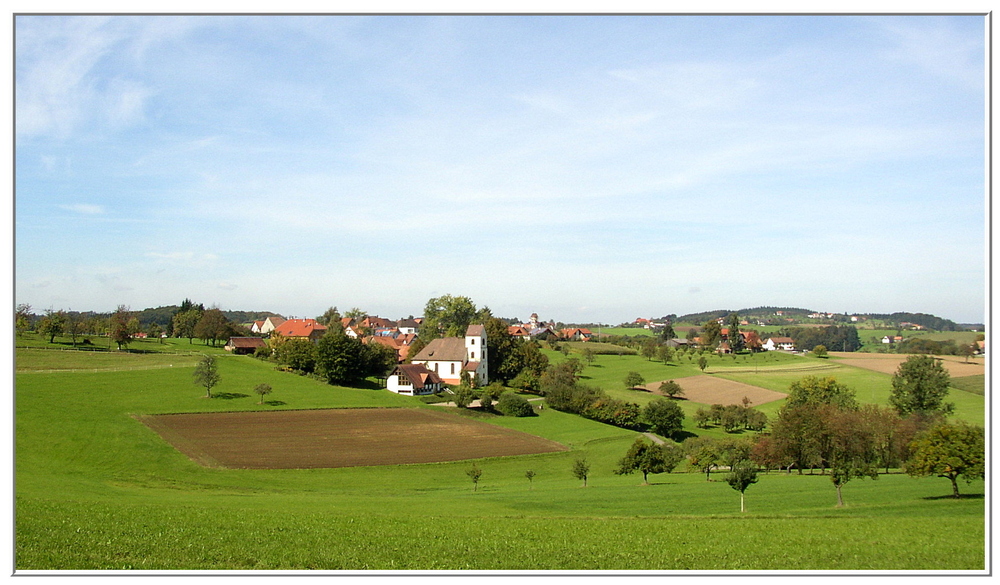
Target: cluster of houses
column 443, row 361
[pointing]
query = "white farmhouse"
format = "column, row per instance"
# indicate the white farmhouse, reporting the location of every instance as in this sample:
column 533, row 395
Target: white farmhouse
column 413, row 379
column 782, row 343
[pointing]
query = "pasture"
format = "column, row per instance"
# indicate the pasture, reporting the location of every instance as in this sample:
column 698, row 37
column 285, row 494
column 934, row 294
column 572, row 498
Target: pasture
column 99, row 490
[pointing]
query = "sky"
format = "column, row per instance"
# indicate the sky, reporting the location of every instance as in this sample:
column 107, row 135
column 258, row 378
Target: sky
column 587, row 168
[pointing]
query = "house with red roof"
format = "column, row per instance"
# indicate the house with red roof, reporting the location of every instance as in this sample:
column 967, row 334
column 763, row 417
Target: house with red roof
column 301, row 329
column 576, row 334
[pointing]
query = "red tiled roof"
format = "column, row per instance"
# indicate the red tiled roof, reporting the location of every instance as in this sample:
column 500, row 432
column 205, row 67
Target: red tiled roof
column 299, row 327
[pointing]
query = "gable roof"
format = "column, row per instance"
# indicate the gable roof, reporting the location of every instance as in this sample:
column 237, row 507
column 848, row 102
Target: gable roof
column 443, row 349
column 418, row 375
column 299, row 327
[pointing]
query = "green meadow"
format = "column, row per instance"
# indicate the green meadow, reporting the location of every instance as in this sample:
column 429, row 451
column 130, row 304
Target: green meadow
column 97, row 490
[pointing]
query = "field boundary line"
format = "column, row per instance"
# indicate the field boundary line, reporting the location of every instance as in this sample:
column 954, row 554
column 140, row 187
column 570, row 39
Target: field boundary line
column 99, row 370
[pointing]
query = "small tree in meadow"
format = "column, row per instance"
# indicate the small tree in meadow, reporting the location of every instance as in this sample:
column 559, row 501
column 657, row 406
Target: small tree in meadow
column 742, row 475
column 530, row 475
column 634, row 379
column 950, row 451
column 474, row 474
column 581, row 469
column 648, row 458
column 671, row 389
column 820, row 351
column 702, row 363
column 263, row 390
column 206, row 373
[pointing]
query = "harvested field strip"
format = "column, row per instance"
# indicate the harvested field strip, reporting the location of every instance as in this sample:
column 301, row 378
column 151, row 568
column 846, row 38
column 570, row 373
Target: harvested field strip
column 774, row 369
column 301, row 439
column 712, row 390
column 889, row 363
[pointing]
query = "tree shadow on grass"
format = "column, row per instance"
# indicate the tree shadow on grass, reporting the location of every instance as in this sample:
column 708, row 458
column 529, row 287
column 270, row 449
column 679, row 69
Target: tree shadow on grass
column 679, row 436
column 229, row 395
column 951, row 497
column 275, row 402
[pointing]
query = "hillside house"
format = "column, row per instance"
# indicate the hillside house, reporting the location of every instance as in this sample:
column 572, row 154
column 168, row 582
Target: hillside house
column 779, row 343
column 448, row 357
column 576, row 334
column 400, row 344
column 407, row 326
column 413, row 380
column 244, row 345
column 257, row 327
column 301, row 329
column 270, row 324
column 519, row 331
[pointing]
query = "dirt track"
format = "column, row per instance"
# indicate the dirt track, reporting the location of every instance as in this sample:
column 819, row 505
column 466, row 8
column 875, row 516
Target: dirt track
column 887, row 363
column 299, row 439
column 711, row 390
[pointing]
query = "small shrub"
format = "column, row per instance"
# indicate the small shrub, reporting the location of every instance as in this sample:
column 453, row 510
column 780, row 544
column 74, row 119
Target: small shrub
column 510, row 404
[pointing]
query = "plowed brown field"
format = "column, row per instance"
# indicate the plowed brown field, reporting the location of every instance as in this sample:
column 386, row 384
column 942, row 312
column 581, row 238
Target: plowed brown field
column 296, row 439
column 712, row 390
column 887, row 363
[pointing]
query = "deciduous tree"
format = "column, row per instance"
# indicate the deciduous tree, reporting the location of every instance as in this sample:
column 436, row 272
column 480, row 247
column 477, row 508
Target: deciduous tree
column 581, row 469
column 263, row 390
column 648, row 458
column 120, row 329
column 52, row 324
column 671, row 388
column 206, row 373
column 741, row 476
column 949, row 450
column 633, row 379
column 815, row 390
column 920, row 386
column 474, row 474
column 447, row 316
column 22, row 318
column 711, row 332
column 664, row 416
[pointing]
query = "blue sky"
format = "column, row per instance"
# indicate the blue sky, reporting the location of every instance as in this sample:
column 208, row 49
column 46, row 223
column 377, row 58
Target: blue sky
column 586, row 168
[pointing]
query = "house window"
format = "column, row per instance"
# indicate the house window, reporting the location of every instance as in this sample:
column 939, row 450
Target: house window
column 472, row 355
column 453, row 368
column 473, row 340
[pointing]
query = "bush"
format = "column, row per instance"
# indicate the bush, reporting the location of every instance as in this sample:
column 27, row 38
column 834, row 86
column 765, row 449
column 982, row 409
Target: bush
column 510, row 404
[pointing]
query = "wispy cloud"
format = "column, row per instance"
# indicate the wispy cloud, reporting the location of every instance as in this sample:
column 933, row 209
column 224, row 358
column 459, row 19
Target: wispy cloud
column 84, row 208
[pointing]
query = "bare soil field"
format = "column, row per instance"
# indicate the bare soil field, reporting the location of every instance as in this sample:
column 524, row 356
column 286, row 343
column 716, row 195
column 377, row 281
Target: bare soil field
column 297, row 439
column 711, row 390
column 887, row 363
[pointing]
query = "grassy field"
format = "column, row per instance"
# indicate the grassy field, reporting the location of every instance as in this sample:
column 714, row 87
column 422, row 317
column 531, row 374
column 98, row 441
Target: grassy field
column 98, row 490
